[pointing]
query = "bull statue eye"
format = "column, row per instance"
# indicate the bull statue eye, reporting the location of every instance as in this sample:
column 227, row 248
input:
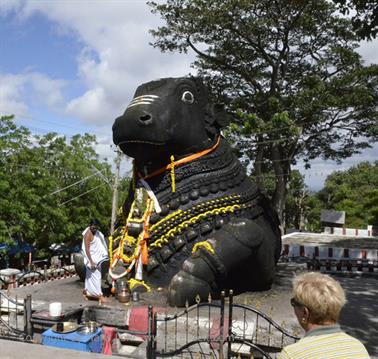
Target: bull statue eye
column 187, row 97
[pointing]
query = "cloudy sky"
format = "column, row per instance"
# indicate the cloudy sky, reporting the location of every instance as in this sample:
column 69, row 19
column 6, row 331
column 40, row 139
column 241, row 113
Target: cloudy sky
column 72, row 66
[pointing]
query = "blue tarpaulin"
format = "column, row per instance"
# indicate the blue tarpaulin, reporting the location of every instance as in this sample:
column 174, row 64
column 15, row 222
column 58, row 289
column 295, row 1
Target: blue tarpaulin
column 11, row 250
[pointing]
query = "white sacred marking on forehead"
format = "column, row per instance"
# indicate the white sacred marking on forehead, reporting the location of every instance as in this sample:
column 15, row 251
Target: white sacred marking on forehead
column 143, row 100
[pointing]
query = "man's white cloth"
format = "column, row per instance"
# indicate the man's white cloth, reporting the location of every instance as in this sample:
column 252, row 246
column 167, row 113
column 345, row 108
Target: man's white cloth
column 99, row 254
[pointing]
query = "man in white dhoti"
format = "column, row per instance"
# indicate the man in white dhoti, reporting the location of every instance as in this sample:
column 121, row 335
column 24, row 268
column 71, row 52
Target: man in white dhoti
column 95, row 252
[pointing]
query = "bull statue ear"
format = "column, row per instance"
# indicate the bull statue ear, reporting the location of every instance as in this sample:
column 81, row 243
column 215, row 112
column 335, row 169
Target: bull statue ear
column 221, row 117
column 216, row 118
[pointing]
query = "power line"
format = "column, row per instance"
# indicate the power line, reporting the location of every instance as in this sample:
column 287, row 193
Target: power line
column 298, row 124
column 80, row 195
column 255, row 142
column 73, row 184
column 40, row 167
column 102, row 176
column 127, row 173
column 58, row 124
column 243, row 141
column 44, row 131
column 20, row 116
column 269, row 175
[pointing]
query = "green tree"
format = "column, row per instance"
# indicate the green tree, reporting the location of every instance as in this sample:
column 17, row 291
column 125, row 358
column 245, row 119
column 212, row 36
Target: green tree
column 364, row 16
column 314, row 207
column 13, row 140
column 355, row 192
column 50, row 187
column 298, row 203
column 287, row 69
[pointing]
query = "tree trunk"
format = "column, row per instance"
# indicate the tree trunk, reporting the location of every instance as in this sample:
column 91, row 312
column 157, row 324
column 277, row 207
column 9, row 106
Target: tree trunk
column 257, row 167
column 279, row 200
column 282, row 173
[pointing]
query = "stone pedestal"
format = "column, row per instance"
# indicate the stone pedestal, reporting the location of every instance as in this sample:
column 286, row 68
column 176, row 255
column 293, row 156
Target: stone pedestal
column 9, row 276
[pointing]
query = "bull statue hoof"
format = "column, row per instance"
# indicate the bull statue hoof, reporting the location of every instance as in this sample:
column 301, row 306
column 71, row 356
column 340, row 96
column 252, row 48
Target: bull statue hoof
column 79, row 266
column 193, row 221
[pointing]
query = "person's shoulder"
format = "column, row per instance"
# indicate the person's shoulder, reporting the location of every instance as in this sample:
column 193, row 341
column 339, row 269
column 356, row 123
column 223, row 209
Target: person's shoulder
column 297, row 350
column 311, row 346
column 356, row 342
column 287, row 351
column 284, row 354
column 87, row 234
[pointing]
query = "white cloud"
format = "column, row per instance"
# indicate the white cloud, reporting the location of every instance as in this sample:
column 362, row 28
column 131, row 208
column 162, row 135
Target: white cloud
column 7, row 6
column 115, row 57
column 18, row 92
column 11, row 100
column 105, row 145
column 92, row 106
column 320, row 169
column 47, row 91
column 369, row 51
column 106, row 149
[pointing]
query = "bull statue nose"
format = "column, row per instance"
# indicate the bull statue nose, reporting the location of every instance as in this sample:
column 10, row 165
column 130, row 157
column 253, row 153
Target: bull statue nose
column 145, row 119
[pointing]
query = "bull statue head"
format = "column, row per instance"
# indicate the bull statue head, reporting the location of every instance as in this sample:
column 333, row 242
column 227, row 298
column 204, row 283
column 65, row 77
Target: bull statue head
column 170, row 116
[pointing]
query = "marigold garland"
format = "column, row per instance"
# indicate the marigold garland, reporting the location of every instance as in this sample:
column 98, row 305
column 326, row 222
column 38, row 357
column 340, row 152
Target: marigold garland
column 131, row 241
column 140, row 242
column 165, row 238
column 133, row 282
column 206, row 245
column 110, row 249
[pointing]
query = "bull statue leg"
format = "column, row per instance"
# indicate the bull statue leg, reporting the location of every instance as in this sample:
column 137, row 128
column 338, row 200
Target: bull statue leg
column 237, row 258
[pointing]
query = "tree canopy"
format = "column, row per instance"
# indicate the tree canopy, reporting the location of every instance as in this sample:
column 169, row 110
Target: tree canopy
column 354, row 191
column 298, row 200
column 364, row 14
column 287, row 70
column 50, row 187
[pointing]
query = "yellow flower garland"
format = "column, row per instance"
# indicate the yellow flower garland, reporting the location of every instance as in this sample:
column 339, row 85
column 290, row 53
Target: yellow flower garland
column 133, row 282
column 110, row 249
column 164, row 238
column 206, row 245
column 131, row 241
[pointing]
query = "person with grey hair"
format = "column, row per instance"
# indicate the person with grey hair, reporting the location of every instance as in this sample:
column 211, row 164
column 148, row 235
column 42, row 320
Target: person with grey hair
column 317, row 302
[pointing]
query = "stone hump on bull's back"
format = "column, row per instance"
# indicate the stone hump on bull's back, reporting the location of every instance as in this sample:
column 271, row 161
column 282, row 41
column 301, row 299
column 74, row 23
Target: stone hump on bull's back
column 193, row 221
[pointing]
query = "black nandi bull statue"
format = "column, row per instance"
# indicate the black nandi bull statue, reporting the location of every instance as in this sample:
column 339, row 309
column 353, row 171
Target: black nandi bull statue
column 204, row 225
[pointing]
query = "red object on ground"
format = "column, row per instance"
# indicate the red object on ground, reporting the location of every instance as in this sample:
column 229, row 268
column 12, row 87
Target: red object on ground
column 109, row 334
column 138, row 320
column 215, row 332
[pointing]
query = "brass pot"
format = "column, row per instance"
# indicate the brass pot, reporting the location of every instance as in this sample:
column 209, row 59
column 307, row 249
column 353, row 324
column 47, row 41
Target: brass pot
column 88, row 327
column 123, row 296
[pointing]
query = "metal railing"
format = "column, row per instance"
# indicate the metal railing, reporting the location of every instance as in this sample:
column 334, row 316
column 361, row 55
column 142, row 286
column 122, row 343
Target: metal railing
column 15, row 318
column 216, row 330
column 35, row 276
